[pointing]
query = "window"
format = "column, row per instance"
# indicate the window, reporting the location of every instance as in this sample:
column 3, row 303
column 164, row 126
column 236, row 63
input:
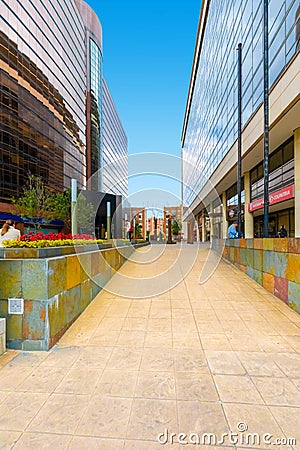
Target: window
column 215, row 83
column 281, row 171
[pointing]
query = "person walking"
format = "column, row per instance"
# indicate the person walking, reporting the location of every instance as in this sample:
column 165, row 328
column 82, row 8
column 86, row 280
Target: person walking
column 232, row 231
column 282, row 232
column 130, row 231
column 8, row 232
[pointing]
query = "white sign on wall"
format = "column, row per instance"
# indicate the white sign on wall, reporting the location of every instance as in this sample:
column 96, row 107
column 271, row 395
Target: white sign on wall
column 15, row 305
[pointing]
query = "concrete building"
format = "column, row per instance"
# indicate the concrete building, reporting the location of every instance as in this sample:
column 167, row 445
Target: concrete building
column 57, row 115
column 209, row 136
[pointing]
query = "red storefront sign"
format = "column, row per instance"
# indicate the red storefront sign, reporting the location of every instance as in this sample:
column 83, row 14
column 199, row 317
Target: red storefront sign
column 276, row 197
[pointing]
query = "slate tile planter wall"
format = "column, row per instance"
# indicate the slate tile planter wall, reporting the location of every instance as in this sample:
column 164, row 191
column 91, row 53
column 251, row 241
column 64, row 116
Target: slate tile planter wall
column 274, row 263
column 2, row 336
column 55, row 290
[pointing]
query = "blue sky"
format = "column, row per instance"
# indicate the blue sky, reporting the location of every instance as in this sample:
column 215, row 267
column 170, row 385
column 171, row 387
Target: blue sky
column 148, row 51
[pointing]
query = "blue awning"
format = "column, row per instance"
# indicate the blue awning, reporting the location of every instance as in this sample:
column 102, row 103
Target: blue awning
column 16, row 218
column 5, row 216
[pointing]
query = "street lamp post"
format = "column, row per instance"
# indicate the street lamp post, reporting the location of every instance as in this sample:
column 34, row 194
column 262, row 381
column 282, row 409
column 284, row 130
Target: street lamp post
column 108, row 220
column 170, row 241
column 155, row 228
column 239, row 178
column 73, row 206
column 266, row 120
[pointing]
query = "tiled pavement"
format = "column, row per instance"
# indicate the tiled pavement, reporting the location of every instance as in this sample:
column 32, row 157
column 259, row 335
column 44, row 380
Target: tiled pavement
column 198, row 358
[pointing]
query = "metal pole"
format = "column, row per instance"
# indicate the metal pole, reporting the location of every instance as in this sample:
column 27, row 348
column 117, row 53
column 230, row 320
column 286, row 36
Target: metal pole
column 134, row 224
column 125, row 226
column 73, row 206
column 169, row 241
column 266, row 120
column 239, row 177
column 108, row 223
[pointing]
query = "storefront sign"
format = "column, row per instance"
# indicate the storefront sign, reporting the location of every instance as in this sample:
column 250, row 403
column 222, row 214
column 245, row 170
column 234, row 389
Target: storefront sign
column 233, row 212
column 257, row 204
column 276, row 197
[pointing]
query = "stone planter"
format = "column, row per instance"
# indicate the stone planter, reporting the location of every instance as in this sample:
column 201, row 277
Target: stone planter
column 55, row 289
column 272, row 262
column 50, row 252
column 2, row 336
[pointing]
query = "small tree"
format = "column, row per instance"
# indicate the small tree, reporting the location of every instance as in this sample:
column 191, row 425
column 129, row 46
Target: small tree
column 59, row 206
column 176, row 227
column 138, row 231
column 34, row 199
column 38, row 202
column 85, row 215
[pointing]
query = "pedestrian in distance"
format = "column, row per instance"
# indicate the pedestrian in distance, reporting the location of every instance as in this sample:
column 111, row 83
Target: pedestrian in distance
column 232, row 231
column 8, row 232
column 282, row 232
column 130, row 232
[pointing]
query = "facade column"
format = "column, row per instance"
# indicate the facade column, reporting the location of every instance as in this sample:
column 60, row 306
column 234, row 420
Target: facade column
column 211, row 228
column 248, row 217
column 144, row 223
column 190, row 239
column 203, row 226
column 297, row 180
column 224, row 212
column 197, row 228
column 165, row 223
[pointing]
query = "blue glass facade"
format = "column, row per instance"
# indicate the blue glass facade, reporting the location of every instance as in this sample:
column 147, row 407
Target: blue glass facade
column 95, row 113
column 115, row 145
column 107, row 145
column 211, row 118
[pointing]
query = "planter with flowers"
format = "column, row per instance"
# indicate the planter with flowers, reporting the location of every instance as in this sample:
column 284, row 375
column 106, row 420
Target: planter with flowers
column 55, row 276
column 39, row 245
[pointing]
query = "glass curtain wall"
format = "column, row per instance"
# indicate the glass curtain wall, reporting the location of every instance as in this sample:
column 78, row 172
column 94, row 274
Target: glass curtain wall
column 212, row 121
column 38, row 134
column 115, row 148
column 96, row 114
column 281, row 171
column 43, row 86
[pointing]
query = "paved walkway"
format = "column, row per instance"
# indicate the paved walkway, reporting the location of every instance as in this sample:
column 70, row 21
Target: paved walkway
column 198, row 358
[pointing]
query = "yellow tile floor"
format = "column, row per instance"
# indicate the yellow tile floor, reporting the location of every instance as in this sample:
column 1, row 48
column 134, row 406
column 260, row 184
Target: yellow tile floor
column 208, row 358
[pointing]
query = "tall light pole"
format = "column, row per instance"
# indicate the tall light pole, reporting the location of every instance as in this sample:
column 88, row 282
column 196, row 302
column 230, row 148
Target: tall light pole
column 73, row 206
column 170, row 241
column 108, row 220
column 266, row 119
column 239, row 174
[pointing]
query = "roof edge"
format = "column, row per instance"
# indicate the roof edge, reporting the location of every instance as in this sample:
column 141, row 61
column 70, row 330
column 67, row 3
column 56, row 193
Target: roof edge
column 198, row 46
